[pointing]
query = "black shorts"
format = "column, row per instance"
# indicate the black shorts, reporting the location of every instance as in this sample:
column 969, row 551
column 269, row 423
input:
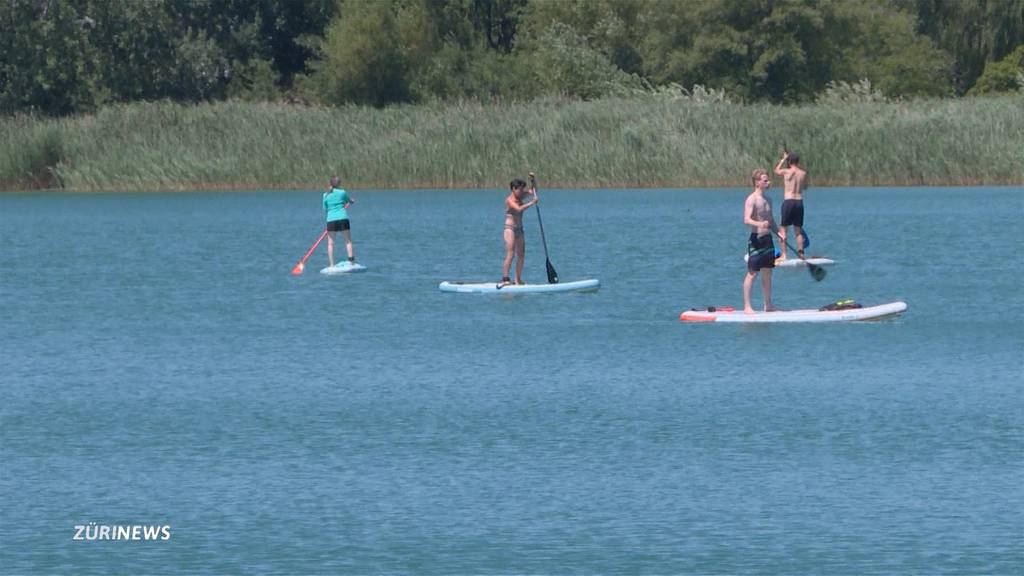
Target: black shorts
column 760, row 252
column 337, row 225
column 792, row 213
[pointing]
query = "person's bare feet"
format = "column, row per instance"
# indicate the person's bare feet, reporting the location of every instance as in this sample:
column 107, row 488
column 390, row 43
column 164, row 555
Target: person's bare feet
column 748, row 310
column 770, row 309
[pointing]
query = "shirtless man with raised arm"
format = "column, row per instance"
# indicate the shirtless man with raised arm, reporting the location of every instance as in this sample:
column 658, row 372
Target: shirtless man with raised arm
column 795, row 182
column 757, row 213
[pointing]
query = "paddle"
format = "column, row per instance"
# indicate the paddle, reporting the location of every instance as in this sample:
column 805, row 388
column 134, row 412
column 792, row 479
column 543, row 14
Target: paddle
column 817, row 272
column 552, row 275
column 302, row 263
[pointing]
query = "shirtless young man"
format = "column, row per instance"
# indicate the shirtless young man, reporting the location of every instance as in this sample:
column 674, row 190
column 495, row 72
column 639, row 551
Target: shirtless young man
column 515, row 242
column 795, row 179
column 757, row 213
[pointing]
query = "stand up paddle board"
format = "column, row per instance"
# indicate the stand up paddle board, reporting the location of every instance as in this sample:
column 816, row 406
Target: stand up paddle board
column 798, row 263
column 499, row 288
column 729, row 314
column 345, row 267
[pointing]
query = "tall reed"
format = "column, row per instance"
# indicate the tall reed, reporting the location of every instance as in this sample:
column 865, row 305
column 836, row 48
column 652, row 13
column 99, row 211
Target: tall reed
column 637, row 142
column 31, row 151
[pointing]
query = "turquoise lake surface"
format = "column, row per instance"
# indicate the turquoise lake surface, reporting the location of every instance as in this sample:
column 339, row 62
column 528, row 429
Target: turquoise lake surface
column 161, row 367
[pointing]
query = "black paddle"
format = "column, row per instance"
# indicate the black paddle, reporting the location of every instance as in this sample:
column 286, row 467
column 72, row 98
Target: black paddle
column 817, row 272
column 552, row 275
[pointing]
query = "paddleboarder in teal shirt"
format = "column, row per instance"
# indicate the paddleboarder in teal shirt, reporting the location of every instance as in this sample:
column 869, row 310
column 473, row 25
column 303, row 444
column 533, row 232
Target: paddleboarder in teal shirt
column 336, row 203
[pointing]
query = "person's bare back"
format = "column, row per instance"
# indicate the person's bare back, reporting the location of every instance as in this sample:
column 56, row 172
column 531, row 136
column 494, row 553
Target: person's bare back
column 794, row 177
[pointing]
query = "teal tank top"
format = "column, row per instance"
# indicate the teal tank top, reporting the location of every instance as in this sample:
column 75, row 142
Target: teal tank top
column 334, row 204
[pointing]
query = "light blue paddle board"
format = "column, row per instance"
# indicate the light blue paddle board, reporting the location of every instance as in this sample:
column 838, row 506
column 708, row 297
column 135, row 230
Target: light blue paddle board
column 499, row 288
column 345, row 267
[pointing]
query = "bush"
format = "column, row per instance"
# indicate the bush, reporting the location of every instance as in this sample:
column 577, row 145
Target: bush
column 363, row 60
column 699, row 94
column 565, row 64
column 255, row 81
column 1001, row 76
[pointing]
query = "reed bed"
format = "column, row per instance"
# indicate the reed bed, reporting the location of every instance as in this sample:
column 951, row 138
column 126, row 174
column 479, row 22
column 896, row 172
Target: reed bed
column 639, row 142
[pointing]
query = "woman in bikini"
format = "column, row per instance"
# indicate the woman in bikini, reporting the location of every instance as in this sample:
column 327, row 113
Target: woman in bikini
column 515, row 243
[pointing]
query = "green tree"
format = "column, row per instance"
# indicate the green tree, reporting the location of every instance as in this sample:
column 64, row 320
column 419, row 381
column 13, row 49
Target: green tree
column 402, row 50
column 1001, row 76
column 789, row 50
column 135, row 49
column 616, row 28
column 793, row 57
column 291, row 29
column 202, row 68
column 974, row 32
column 256, row 80
column 215, row 40
column 362, row 56
column 562, row 62
column 466, row 49
column 494, row 24
column 47, row 63
column 875, row 41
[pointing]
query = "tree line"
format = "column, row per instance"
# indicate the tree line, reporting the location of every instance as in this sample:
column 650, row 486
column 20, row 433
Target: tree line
column 60, row 57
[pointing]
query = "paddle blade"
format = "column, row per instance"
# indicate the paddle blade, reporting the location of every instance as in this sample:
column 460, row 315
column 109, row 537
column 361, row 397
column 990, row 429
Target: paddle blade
column 552, row 275
column 298, row 269
column 817, row 272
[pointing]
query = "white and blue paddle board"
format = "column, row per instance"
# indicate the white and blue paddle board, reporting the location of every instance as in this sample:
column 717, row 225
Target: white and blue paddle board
column 499, row 288
column 729, row 314
column 345, row 267
column 798, row 263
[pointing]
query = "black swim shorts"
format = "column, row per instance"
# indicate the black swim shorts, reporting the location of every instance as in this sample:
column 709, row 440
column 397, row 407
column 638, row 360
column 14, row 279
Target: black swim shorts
column 760, row 252
column 337, row 225
column 792, row 213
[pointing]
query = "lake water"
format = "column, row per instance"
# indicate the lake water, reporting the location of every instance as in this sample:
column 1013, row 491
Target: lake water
column 160, row 366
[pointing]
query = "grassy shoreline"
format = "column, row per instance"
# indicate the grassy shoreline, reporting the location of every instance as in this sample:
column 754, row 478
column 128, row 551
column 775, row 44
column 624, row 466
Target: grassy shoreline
column 623, row 143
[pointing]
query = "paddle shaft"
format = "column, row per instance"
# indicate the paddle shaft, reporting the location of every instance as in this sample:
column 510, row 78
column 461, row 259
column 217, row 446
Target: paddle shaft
column 543, row 240
column 552, row 275
column 310, row 251
column 817, row 272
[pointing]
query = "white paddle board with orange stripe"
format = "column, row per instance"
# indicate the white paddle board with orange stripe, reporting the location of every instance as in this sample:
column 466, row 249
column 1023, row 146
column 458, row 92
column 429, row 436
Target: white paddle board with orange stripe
column 729, row 314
